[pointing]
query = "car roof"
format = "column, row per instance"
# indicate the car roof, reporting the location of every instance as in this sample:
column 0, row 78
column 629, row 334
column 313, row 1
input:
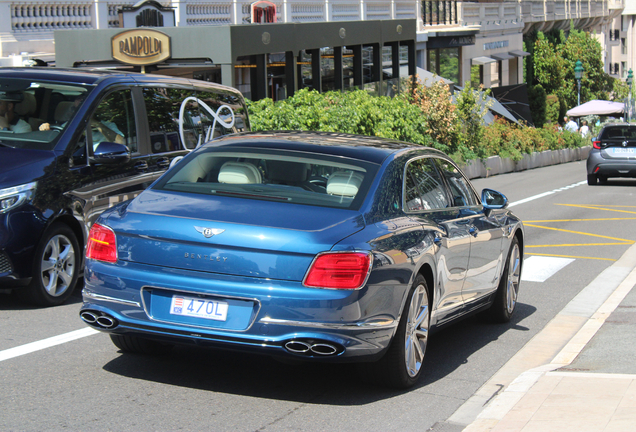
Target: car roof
column 94, row 76
column 58, row 74
column 370, row 149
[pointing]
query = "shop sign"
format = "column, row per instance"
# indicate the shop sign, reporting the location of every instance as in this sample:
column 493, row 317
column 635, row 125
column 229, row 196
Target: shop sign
column 141, row 47
column 450, row 41
column 495, row 45
column 263, row 12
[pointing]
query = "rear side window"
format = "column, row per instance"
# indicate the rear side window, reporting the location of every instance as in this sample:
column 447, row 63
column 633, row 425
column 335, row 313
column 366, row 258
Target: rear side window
column 461, row 190
column 165, row 107
column 270, row 175
column 220, row 113
column 423, row 189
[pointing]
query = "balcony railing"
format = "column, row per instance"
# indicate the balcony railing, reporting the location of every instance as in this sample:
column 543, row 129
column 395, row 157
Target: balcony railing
column 24, row 20
column 439, row 12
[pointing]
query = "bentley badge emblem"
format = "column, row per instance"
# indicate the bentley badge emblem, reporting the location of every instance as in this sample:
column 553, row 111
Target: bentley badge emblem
column 208, row 232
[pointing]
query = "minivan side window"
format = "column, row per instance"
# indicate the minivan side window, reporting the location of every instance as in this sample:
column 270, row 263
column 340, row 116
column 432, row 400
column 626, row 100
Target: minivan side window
column 424, row 189
column 114, row 121
column 163, row 107
column 221, row 113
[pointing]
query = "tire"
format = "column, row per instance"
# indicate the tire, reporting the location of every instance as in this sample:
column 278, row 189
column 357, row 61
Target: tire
column 591, row 179
column 401, row 366
column 56, row 267
column 506, row 296
column 136, row 345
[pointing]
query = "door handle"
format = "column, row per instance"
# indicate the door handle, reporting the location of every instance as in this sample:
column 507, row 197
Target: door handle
column 141, row 166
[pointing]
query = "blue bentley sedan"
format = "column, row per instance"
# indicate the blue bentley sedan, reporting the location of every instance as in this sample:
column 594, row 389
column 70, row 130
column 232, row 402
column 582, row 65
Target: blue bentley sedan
column 316, row 246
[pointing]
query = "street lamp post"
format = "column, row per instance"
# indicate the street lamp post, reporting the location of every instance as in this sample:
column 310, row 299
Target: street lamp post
column 629, row 81
column 578, row 74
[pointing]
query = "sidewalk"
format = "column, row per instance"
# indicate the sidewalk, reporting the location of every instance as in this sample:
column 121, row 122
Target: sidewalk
column 589, row 386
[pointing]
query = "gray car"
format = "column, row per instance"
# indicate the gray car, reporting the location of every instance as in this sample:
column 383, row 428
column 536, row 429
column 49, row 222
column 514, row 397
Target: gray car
column 613, row 154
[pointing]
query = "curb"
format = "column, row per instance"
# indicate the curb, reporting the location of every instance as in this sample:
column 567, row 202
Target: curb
column 571, row 329
column 497, row 165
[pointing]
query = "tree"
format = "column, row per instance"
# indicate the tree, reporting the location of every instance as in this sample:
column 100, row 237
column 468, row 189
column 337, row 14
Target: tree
column 553, row 59
column 549, row 66
column 472, row 106
column 537, row 100
column 595, row 84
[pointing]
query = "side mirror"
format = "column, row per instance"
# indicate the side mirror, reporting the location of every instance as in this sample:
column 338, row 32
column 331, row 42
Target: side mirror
column 110, row 153
column 492, row 200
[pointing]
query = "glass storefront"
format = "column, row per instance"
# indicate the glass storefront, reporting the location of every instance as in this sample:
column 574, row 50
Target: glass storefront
column 444, row 62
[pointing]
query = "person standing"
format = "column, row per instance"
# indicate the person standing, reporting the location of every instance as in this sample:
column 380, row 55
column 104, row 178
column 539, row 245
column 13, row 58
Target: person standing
column 570, row 125
column 584, row 129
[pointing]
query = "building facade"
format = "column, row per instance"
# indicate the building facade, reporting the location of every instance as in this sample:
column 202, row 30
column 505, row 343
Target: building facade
column 479, row 42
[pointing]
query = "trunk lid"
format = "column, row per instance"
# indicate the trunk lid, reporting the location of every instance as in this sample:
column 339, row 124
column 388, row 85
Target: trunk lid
column 228, row 235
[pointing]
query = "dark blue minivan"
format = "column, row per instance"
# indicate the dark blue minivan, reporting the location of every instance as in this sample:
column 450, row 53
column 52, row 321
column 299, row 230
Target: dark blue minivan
column 74, row 143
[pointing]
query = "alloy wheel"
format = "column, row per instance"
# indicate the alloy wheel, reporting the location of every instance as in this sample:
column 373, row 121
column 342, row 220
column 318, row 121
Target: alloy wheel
column 58, row 265
column 514, row 273
column 416, row 335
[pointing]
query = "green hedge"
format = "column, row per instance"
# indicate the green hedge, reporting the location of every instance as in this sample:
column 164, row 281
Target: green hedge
column 423, row 115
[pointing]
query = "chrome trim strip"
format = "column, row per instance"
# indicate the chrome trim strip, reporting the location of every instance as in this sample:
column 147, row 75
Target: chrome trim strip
column 219, row 296
column 94, row 296
column 375, row 325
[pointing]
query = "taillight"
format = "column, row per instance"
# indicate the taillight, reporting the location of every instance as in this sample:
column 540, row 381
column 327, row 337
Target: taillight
column 596, row 145
column 344, row 270
column 102, row 244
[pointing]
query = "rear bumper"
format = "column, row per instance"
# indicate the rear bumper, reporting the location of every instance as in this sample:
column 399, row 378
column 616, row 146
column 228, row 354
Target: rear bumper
column 286, row 316
column 598, row 165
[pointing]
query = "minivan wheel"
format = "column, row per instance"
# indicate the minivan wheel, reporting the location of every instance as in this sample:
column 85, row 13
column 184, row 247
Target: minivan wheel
column 591, row 179
column 55, row 269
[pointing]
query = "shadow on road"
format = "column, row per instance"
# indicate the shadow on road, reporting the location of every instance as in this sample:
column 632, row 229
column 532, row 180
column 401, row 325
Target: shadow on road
column 10, row 301
column 313, row 383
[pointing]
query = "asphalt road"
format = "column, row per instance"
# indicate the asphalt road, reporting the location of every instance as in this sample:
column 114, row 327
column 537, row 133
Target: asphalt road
column 86, row 384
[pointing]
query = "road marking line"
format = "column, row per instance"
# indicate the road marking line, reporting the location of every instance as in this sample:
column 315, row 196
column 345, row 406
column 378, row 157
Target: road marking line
column 571, row 256
column 605, row 205
column 597, row 208
column 581, row 233
column 577, row 244
column 541, row 195
column 539, row 269
column 580, row 220
column 46, row 343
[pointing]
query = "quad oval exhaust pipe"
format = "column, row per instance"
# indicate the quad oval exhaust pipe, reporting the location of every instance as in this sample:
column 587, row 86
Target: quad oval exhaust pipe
column 310, row 347
column 99, row 319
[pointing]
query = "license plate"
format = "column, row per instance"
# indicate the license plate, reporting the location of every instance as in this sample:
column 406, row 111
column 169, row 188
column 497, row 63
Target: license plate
column 623, row 150
column 199, row 308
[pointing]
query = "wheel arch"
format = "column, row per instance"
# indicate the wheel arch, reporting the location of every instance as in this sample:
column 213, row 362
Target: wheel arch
column 427, row 272
column 74, row 225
